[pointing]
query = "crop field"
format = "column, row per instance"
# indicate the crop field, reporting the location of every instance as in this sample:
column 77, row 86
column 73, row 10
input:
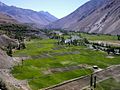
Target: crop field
column 109, row 84
column 99, row 37
column 49, row 60
column 95, row 37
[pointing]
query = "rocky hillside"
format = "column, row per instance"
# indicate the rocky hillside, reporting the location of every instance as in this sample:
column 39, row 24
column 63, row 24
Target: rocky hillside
column 27, row 15
column 4, row 18
column 5, row 41
column 95, row 16
column 5, row 60
column 10, row 26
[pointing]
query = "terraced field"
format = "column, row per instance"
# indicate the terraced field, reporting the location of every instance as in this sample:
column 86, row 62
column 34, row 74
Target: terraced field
column 99, row 37
column 109, row 84
column 46, row 56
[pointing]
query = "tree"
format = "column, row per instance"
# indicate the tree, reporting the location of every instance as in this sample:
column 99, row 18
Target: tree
column 62, row 40
column 118, row 37
column 86, row 41
column 2, row 86
column 9, row 50
column 18, row 48
column 23, row 45
column 75, row 42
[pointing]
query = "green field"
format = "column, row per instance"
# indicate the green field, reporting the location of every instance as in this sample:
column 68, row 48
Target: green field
column 95, row 37
column 99, row 37
column 109, row 84
column 46, row 54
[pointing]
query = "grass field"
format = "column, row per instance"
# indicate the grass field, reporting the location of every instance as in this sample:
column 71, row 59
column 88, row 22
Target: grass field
column 46, row 54
column 94, row 37
column 99, row 37
column 109, row 84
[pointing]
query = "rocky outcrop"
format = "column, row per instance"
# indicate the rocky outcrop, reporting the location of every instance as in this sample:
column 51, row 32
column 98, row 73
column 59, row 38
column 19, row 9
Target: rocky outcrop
column 5, row 60
column 5, row 41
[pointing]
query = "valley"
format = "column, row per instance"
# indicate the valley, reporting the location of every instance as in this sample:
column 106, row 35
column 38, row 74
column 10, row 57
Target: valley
column 49, row 62
column 80, row 51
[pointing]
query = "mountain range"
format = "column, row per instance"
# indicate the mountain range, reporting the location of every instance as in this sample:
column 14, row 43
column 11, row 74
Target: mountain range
column 95, row 16
column 27, row 15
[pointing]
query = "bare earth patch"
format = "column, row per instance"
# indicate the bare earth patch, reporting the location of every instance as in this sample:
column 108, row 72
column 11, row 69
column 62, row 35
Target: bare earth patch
column 65, row 69
column 111, row 57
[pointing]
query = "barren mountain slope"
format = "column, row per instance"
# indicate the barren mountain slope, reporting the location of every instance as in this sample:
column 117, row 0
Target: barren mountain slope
column 104, row 20
column 27, row 15
column 4, row 18
column 95, row 16
column 78, row 14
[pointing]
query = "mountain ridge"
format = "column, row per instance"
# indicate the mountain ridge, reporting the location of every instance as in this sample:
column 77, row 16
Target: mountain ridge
column 89, row 17
column 79, row 11
column 27, row 15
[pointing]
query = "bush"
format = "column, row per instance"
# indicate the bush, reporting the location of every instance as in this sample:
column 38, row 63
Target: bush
column 2, row 86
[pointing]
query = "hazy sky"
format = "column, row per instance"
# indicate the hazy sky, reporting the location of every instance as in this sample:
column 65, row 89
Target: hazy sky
column 58, row 8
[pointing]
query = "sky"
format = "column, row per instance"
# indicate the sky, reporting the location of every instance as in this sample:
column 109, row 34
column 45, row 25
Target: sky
column 58, row 8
